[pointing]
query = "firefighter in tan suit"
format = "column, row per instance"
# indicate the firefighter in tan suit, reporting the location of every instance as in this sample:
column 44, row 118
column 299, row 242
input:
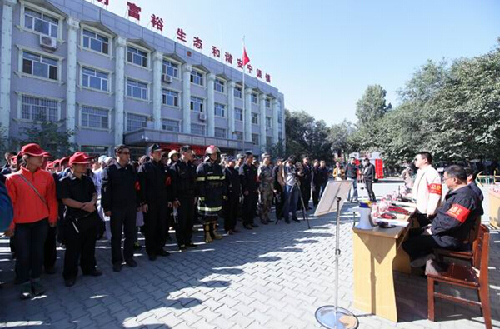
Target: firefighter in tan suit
column 427, row 189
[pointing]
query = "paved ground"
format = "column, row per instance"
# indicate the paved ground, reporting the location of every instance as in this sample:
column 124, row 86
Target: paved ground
column 272, row 277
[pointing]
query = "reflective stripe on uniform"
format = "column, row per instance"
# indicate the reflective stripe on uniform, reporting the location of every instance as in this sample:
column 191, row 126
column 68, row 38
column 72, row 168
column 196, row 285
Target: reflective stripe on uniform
column 200, row 179
column 215, row 178
column 209, row 209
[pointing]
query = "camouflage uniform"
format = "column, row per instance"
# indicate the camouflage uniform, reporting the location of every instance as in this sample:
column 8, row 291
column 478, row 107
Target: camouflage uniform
column 265, row 175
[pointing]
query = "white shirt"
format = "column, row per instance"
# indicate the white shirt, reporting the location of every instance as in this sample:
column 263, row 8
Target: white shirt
column 427, row 190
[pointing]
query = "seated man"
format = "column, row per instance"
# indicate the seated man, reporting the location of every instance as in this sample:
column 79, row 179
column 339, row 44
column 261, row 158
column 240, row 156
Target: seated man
column 452, row 224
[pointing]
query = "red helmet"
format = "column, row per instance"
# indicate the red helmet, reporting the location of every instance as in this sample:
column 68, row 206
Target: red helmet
column 212, row 149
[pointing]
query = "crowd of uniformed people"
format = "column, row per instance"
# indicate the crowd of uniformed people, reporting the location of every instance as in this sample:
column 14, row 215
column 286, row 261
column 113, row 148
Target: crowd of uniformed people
column 76, row 200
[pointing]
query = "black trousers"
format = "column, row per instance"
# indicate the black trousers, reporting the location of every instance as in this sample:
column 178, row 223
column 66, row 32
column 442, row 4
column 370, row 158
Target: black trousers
column 249, row 207
column 369, row 189
column 155, row 222
column 123, row 219
column 185, row 217
column 29, row 239
column 419, row 245
column 231, row 211
column 50, row 248
column 305, row 189
column 80, row 247
column 315, row 194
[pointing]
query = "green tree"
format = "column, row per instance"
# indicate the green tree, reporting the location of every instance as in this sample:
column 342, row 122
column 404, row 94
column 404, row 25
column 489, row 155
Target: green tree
column 340, row 137
column 51, row 136
column 372, row 105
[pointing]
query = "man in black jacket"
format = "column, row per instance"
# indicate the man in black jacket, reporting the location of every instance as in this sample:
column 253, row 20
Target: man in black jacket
column 351, row 174
column 120, row 187
column 233, row 186
column 368, row 177
column 248, row 175
column 305, row 182
column 184, row 193
column 452, row 224
column 153, row 193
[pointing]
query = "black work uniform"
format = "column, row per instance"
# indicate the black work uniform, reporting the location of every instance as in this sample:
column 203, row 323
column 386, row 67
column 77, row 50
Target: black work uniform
column 153, row 192
column 248, row 175
column 305, row 186
column 369, row 177
column 184, row 191
column 451, row 226
column 279, row 192
column 80, row 226
column 233, row 185
column 119, row 195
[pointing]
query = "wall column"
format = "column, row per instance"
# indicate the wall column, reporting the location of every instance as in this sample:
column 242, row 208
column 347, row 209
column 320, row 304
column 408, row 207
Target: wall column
column 248, row 114
column 157, row 89
column 121, row 44
column 275, row 120
column 186, row 98
column 263, row 122
column 71, row 74
column 210, row 105
column 230, row 110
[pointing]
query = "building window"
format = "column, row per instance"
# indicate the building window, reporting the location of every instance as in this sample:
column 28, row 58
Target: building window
column 219, row 85
column 42, row 23
column 239, row 135
column 170, row 69
column 94, row 79
column 95, row 42
column 137, row 89
column 220, row 132
column 94, row 151
column 237, row 92
column 170, row 97
column 197, row 129
column 137, row 56
column 280, row 116
column 197, row 77
column 269, row 122
column 136, row 122
column 94, row 117
column 170, row 125
column 268, row 102
column 238, row 114
column 219, row 110
column 280, row 135
column 40, row 66
column 269, row 141
column 255, row 139
column 255, row 118
column 254, row 98
column 196, row 104
column 39, row 109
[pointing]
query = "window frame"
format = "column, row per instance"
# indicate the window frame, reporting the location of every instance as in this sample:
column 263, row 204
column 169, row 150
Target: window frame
column 269, row 122
column 168, row 60
column 179, row 127
column 221, row 83
column 89, row 67
column 255, row 115
column 200, row 125
column 43, row 11
column 191, row 107
column 108, row 110
column 238, row 90
column 200, row 75
column 235, row 116
column 137, row 81
column 20, row 106
column 135, row 114
column 97, row 32
column 257, row 137
column 164, row 94
column 219, row 105
column 141, row 49
column 255, row 98
column 20, row 72
column 223, row 135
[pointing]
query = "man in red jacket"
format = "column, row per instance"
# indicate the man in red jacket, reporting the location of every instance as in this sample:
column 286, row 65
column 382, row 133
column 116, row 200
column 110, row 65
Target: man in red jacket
column 33, row 194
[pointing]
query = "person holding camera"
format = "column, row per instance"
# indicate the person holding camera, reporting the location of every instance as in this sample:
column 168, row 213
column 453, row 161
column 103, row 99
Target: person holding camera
column 291, row 190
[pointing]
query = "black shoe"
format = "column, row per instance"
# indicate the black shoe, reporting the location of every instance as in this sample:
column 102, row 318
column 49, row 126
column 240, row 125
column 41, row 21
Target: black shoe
column 182, row 248
column 50, row 270
column 163, row 253
column 131, row 263
column 247, row 226
column 152, row 257
column 264, row 222
column 191, row 245
column 270, row 220
column 117, row 267
column 94, row 273
column 70, row 282
column 295, row 220
column 37, row 288
column 255, row 225
column 235, row 230
column 287, row 221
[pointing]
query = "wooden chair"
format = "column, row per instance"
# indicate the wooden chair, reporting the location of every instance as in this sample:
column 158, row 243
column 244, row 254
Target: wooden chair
column 463, row 255
column 471, row 277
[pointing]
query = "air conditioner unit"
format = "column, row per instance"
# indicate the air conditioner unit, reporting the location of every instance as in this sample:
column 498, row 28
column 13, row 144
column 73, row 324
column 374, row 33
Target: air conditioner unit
column 48, row 42
column 166, row 78
column 202, row 116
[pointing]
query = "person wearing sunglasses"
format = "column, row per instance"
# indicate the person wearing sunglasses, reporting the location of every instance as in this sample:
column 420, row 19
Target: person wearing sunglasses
column 120, row 188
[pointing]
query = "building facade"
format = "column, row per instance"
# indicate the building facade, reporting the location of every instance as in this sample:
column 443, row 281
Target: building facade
column 113, row 81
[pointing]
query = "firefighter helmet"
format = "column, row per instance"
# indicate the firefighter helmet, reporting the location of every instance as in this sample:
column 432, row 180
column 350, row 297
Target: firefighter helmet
column 212, row 149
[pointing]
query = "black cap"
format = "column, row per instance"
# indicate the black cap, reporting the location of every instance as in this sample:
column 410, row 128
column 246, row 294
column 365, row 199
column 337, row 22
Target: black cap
column 186, row 148
column 155, row 147
column 249, row 153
